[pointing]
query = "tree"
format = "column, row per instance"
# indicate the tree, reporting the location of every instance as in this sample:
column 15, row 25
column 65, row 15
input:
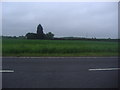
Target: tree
column 31, row 36
column 49, row 35
column 39, row 29
column 40, row 33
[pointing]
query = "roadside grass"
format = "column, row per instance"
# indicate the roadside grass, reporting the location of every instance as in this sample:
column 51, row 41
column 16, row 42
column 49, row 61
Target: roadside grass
column 24, row 47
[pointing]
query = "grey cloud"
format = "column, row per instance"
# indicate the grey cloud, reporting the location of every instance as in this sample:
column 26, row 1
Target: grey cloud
column 90, row 19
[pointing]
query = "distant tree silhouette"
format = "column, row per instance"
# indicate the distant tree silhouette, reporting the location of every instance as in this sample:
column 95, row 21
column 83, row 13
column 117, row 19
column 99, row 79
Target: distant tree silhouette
column 40, row 33
column 39, row 29
column 31, row 36
column 49, row 35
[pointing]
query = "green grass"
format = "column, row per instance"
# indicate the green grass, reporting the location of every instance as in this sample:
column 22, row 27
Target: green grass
column 24, row 47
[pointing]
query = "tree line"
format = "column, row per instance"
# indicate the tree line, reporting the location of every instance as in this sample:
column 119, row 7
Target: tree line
column 41, row 35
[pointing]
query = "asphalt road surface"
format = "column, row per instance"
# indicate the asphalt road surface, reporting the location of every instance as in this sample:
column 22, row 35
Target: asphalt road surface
column 77, row 72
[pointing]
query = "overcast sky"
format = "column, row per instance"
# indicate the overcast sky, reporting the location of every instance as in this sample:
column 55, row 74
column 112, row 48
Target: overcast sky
column 64, row 19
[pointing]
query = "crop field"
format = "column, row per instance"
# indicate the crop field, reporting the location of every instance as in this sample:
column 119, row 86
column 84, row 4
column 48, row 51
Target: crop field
column 24, row 47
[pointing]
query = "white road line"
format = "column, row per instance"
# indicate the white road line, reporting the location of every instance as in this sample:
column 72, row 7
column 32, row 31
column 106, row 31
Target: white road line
column 103, row 69
column 4, row 71
column 60, row 57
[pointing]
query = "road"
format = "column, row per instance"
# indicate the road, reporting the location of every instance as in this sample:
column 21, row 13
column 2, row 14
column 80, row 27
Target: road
column 74, row 72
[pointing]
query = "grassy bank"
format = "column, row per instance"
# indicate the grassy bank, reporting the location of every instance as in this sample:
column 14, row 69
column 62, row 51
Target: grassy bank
column 23, row 47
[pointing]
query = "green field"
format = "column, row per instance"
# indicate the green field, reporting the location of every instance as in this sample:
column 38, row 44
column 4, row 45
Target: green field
column 24, row 47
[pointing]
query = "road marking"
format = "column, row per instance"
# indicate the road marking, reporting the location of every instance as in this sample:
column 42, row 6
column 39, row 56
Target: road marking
column 4, row 71
column 60, row 57
column 103, row 69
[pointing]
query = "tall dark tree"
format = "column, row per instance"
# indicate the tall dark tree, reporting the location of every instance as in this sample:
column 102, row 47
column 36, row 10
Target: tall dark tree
column 40, row 29
column 40, row 33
